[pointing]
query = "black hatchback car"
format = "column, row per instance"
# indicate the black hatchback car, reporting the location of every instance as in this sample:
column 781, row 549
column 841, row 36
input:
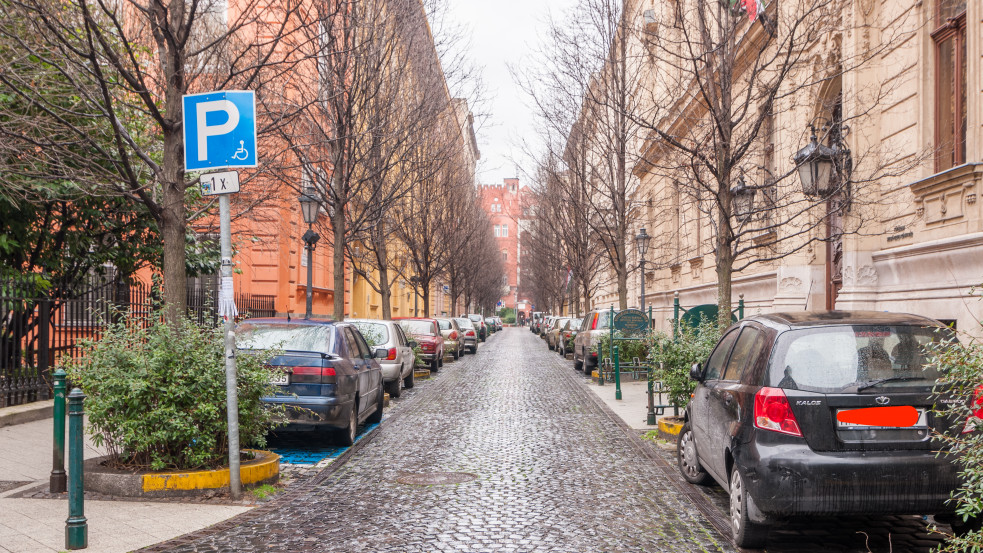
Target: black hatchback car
column 819, row 413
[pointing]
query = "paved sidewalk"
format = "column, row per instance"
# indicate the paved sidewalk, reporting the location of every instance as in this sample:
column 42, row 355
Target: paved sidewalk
column 38, row 525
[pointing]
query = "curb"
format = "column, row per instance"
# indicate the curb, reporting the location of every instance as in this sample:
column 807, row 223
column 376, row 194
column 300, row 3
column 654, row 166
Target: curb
column 29, row 412
column 264, row 469
column 421, row 373
column 670, row 429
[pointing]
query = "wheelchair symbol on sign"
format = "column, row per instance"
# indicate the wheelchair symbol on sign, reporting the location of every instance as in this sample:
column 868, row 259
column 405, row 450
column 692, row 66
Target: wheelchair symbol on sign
column 242, row 151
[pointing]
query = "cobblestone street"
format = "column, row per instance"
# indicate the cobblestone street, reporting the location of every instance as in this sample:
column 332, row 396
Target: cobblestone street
column 553, row 473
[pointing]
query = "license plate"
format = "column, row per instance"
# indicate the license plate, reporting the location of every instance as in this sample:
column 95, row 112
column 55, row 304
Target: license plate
column 921, row 422
column 279, row 378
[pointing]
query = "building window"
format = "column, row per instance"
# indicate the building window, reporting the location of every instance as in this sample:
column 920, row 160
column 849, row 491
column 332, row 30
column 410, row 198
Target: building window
column 950, row 83
column 505, row 256
column 498, row 231
column 505, row 231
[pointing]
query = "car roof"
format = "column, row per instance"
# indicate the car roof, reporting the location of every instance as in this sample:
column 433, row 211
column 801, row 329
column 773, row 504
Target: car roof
column 291, row 321
column 832, row 318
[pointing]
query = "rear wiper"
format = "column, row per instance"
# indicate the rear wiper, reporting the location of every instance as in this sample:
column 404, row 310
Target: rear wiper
column 873, row 383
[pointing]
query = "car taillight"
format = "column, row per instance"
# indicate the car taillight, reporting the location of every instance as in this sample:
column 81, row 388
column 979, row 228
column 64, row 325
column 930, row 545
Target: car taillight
column 326, row 374
column 593, row 321
column 427, row 346
column 470, row 333
column 392, row 355
column 975, row 417
column 453, row 335
column 772, row 411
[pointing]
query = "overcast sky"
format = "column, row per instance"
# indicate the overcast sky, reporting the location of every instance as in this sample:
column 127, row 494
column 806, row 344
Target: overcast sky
column 503, row 32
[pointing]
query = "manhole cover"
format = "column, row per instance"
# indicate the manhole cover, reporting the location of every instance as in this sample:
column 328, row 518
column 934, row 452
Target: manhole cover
column 435, row 478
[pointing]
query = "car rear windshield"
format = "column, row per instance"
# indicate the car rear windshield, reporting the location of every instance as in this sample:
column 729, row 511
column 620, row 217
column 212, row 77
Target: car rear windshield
column 291, row 337
column 475, row 318
column 376, row 334
column 575, row 323
column 603, row 320
column 464, row 323
column 420, row 328
column 444, row 324
column 852, row 358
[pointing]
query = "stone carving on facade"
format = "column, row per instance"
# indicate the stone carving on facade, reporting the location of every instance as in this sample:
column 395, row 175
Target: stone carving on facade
column 790, row 284
column 971, row 198
column 676, row 272
column 941, row 197
column 866, row 275
column 696, row 267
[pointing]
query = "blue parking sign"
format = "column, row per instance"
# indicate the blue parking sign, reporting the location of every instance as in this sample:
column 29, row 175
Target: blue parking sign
column 219, row 130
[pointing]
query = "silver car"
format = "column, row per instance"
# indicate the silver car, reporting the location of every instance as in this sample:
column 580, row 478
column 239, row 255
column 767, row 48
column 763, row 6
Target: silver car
column 470, row 341
column 452, row 337
column 397, row 364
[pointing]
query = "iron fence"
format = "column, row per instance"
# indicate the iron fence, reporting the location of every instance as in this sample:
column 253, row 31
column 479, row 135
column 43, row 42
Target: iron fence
column 41, row 326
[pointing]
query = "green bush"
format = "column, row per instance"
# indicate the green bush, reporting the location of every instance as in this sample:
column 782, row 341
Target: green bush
column 627, row 349
column 961, row 367
column 672, row 359
column 156, row 396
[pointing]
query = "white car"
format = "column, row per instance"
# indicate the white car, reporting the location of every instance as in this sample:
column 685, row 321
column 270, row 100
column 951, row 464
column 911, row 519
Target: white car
column 397, row 364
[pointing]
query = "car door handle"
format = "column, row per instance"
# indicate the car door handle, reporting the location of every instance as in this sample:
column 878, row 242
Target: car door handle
column 728, row 399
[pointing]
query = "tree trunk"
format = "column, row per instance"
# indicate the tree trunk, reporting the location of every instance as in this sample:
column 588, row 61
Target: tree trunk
column 338, row 225
column 174, row 219
column 385, row 287
column 426, row 300
column 725, row 264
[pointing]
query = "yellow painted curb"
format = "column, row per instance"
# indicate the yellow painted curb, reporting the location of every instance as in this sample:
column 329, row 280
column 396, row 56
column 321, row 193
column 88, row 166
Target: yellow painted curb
column 421, row 373
column 265, row 467
column 670, row 427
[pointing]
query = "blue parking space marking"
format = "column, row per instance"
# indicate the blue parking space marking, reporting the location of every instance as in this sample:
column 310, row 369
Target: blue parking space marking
column 293, row 450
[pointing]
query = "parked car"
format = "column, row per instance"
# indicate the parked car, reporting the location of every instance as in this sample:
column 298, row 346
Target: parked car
column 452, row 337
column 537, row 319
column 567, row 334
column 596, row 323
column 499, row 323
column 427, row 333
column 492, row 326
column 327, row 377
column 545, row 326
column 470, row 340
column 553, row 333
column 479, row 324
column 801, row 414
column 397, row 365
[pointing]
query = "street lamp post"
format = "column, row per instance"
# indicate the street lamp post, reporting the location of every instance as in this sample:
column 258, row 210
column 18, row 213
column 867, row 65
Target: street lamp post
column 642, row 242
column 309, row 207
column 415, row 280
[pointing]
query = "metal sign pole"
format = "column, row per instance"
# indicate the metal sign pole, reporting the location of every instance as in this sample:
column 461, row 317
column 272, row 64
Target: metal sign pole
column 227, row 310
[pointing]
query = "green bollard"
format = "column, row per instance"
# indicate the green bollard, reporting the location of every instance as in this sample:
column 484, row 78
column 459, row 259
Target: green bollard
column 76, row 527
column 59, row 480
column 650, row 419
column 617, row 374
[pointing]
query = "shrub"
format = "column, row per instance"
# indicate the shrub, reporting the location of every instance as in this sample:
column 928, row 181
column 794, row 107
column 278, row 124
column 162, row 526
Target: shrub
column 961, row 367
column 627, row 349
column 672, row 359
column 156, row 396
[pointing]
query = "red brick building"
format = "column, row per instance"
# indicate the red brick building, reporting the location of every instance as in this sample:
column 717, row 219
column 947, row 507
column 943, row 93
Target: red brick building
column 503, row 204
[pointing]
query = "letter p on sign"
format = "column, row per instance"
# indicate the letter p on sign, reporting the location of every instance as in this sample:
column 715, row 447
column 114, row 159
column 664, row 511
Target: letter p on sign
column 219, row 130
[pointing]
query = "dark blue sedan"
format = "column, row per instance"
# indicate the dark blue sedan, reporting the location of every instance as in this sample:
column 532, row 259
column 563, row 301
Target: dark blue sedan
column 327, row 376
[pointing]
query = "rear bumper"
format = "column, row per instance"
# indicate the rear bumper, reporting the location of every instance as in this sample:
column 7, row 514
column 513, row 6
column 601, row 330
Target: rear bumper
column 390, row 371
column 787, row 480
column 451, row 345
column 312, row 412
column 470, row 341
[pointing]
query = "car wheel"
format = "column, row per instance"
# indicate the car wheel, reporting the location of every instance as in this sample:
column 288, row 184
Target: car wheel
column 346, row 436
column 434, row 366
column 962, row 527
column 440, row 361
column 746, row 533
column 409, row 381
column 396, row 388
column 457, row 354
column 474, row 349
column 688, row 460
column 577, row 364
column 376, row 416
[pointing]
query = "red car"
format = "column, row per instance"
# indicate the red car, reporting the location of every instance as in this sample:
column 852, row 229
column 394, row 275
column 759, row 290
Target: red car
column 427, row 333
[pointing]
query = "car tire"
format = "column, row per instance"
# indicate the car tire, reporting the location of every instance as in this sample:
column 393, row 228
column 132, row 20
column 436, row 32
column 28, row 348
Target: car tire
column 474, row 349
column 457, row 354
column 396, row 388
column 578, row 365
column 746, row 533
column 434, row 366
column 962, row 527
column 688, row 460
column 346, row 436
column 376, row 416
column 410, row 380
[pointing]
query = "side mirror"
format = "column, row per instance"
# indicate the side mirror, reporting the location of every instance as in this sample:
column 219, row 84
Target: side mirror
column 412, row 343
column 380, row 353
column 696, row 371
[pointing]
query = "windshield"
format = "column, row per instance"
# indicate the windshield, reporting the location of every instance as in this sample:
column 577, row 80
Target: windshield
column 839, row 358
column 575, row 323
column 475, row 318
column 292, row 337
column 603, row 320
column 375, row 334
column 464, row 323
column 420, row 328
column 444, row 324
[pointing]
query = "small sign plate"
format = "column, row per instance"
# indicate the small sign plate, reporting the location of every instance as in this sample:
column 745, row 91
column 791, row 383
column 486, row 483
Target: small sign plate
column 631, row 322
column 214, row 184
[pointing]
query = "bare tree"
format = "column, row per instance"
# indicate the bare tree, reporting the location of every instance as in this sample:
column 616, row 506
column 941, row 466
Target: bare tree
column 129, row 63
column 719, row 83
